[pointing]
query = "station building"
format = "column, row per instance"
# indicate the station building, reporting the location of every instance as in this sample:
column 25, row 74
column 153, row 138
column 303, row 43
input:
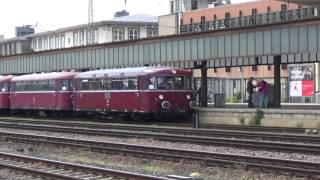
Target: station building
column 122, row 28
column 188, row 16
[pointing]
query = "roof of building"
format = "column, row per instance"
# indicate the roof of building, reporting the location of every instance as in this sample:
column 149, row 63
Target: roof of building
column 131, row 72
column 136, row 18
column 45, row 76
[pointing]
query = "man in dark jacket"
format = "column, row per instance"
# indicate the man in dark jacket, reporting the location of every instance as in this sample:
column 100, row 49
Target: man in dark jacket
column 250, row 91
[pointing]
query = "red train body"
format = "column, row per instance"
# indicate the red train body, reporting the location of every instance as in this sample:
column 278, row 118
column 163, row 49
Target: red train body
column 144, row 90
column 50, row 91
column 134, row 90
column 5, row 91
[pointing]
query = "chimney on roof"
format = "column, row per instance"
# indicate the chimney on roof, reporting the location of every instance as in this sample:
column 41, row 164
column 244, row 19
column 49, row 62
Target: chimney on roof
column 121, row 14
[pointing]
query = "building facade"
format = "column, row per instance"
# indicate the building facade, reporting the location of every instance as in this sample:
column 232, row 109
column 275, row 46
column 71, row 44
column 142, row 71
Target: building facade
column 117, row 29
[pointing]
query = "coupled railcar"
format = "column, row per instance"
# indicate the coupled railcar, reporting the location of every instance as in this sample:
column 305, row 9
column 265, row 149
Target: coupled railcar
column 143, row 90
column 47, row 91
column 5, row 82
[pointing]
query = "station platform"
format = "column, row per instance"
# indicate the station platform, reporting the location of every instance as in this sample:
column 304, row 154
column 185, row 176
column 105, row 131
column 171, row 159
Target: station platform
column 289, row 115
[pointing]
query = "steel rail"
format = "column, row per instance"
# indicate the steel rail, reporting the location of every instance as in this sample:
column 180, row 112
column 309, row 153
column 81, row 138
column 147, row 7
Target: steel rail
column 202, row 140
column 65, row 170
column 93, row 124
column 298, row 168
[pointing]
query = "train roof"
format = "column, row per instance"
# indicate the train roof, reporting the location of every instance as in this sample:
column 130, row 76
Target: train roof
column 132, row 72
column 6, row 78
column 45, row 76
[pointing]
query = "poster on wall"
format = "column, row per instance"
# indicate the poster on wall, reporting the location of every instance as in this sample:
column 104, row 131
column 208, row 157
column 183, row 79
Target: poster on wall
column 301, row 80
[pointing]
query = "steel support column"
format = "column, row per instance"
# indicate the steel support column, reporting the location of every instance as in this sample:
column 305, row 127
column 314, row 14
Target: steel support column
column 277, row 82
column 204, row 84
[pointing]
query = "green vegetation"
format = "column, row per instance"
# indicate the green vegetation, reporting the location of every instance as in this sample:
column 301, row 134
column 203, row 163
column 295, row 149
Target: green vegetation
column 235, row 99
column 242, row 121
column 256, row 120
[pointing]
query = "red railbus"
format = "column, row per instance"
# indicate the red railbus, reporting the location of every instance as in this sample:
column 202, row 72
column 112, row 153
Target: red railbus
column 5, row 82
column 46, row 91
column 143, row 90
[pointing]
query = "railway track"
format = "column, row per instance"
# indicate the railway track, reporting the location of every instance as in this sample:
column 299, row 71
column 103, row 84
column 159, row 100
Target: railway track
column 288, row 167
column 45, row 168
column 191, row 138
column 183, row 124
column 179, row 130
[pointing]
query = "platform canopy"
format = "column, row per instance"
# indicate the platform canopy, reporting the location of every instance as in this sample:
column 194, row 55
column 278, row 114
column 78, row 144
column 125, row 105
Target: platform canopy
column 304, row 2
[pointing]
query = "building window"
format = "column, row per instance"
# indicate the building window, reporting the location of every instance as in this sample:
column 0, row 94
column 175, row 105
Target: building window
column 96, row 36
column 269, row 67
column 255, row 68
column 39, row 44
column 152, row 32
column 81, row 38
column 254, row 12
column 194, row 5
column 56, row 42
column 51, row 42
column 284, row 66
column 240, row 13
column 45, row 42
column 214, row 17
column 283, row 7
column 75, row 39
column 227, row 15
column 268, row 9
column 118, row 34
column 228, row 69
column 133, row 33
column 62, row 41
column 34, row 44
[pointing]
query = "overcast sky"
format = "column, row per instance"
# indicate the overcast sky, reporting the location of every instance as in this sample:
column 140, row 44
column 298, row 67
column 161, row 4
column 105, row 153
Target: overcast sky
column 52, row 14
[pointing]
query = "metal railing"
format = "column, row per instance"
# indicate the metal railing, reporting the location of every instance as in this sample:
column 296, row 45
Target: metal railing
column 245, row 21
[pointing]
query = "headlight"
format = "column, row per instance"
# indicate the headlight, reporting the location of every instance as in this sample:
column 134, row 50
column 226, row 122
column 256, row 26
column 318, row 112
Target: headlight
column 161, row 96
column 188, row 96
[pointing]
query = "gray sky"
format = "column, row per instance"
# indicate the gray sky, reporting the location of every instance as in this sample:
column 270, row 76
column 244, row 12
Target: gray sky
column 53, row 14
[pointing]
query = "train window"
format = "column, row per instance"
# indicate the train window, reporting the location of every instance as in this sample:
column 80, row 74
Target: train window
column 174, row 82
column 132, row 83
column 4, row 87
column 165, row 82
column 119, row 84
column 65, row 85
column 92, row 84
column 152, row 83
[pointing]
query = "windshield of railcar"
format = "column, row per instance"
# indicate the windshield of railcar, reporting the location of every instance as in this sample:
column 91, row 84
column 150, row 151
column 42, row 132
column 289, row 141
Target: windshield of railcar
column 169, row 83
column 4, row 87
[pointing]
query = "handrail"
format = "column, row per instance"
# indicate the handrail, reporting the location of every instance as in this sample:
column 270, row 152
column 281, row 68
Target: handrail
column 245, row 21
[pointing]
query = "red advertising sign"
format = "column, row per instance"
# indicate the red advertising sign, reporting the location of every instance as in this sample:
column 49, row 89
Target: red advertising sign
column 307, row 88
column 301, row 79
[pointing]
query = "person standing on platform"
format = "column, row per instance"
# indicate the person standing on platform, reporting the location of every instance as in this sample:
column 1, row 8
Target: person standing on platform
column 264, row 91
column 250, row 91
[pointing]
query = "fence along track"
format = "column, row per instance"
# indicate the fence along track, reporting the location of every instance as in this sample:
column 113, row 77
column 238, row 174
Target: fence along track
column 299, row 168
column 63, row 170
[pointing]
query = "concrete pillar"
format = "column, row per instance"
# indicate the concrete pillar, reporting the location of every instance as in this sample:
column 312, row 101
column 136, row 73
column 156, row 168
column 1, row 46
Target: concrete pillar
column 204, row 84
column 277, row 81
